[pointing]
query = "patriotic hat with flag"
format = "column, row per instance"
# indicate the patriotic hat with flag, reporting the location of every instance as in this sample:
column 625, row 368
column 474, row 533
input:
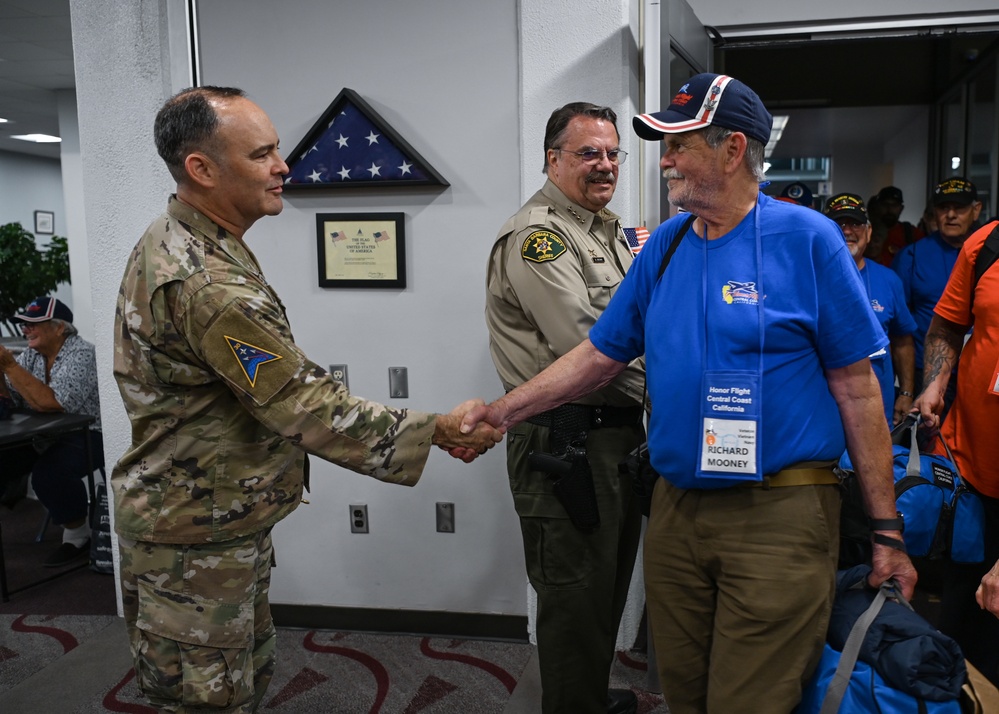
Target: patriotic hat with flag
column 709, row 99
column 42, row 309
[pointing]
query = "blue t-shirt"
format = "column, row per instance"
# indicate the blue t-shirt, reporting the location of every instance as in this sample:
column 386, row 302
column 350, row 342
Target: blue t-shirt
column 888, row 303
column 924, row 268
column 816, row 318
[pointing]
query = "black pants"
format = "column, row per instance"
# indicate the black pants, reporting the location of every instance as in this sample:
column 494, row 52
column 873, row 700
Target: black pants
column 975, row 630
column 57, row 467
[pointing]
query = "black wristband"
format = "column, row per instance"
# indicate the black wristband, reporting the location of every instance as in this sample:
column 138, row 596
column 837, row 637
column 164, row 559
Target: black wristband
column 896, row 543
column 887, row 524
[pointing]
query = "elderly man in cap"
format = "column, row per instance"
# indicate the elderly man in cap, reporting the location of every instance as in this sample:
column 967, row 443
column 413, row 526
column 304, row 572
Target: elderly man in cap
column 884, row 291
column 889, row 235
column 925, row 267
column 56, row 373
column 756, row 336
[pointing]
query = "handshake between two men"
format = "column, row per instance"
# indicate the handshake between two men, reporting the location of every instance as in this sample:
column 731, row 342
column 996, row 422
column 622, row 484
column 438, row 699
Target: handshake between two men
column 466, row 444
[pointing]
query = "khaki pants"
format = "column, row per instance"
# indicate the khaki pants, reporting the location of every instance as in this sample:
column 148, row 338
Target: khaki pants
column 199, row 622
column 739, row 584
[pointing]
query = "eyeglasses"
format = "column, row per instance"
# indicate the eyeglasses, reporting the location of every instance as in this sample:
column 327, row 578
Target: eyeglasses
column 26, row 326
column 592, row 156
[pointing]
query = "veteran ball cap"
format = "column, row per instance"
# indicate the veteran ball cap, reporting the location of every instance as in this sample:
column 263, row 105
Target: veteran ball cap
column 890, row 193
column 955, row 190
column 797, row 192
column 709, row 99
column 846, row 205
column 42, row 309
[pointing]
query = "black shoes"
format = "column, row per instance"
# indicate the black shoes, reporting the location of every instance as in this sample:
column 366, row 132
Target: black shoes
column 66, row 554
column 621, row 701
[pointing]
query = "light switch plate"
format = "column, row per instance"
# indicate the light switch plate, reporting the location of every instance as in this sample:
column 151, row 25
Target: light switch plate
column 398, row 382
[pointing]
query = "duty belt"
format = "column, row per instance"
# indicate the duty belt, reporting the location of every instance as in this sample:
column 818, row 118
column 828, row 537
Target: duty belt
column 599, row 417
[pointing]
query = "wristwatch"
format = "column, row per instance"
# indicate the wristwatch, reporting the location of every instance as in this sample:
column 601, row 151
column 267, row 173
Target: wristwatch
column 888, row 524
column 903, row 393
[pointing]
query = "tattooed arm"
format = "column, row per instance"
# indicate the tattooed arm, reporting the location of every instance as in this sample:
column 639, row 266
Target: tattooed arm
column 943, row 345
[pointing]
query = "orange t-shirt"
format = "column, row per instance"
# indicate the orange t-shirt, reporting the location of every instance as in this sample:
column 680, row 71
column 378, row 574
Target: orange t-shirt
column 970, row 426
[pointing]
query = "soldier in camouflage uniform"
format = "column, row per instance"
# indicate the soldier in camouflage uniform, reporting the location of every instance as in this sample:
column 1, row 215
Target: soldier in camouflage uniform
column 223, row 406
column 553, row 269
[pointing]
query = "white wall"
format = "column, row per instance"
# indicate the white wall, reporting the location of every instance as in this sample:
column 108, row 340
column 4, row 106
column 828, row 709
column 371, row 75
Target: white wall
column 445, row 77
column 124, row 182
column 470, row 86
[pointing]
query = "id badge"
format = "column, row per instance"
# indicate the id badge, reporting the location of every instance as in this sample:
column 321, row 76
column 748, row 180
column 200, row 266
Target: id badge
column 730, row 420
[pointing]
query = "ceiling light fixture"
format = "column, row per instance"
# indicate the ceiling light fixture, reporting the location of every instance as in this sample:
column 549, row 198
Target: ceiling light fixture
column 780, row 122
column 38, row 138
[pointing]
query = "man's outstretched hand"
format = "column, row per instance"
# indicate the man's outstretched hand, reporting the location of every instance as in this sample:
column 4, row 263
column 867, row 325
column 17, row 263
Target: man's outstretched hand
column 466, row 442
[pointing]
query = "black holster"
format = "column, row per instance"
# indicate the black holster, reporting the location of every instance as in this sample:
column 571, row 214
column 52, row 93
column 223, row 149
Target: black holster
column 568, row 466
column 638, row 466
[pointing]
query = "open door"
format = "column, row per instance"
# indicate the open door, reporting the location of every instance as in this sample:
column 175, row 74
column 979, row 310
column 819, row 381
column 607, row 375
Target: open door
column 677, row 46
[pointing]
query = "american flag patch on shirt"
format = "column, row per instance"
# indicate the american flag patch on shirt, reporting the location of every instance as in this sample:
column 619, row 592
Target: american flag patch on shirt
column 636, row 238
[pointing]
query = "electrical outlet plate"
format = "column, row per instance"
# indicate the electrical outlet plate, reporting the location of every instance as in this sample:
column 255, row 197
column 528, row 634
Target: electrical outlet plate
column 358, row 518
column 445, row 517
column 339, row 373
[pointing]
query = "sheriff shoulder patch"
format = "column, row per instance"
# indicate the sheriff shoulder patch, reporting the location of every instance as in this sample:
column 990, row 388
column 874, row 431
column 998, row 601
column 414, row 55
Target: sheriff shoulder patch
column 542, row 246
column 250, row 357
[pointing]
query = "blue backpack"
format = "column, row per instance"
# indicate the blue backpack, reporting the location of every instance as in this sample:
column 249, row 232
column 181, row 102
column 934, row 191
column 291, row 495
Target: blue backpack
column 943, row 518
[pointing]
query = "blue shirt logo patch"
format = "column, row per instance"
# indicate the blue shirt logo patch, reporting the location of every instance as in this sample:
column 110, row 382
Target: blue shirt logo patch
column 739, row 293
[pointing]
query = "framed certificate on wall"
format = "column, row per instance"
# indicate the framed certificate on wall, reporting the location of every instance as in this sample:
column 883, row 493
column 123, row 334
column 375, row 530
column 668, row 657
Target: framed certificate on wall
column 361, row 250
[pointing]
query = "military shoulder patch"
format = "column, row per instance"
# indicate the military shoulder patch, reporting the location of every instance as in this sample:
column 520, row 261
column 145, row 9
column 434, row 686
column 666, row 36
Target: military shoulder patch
column 542, row 246
column 250, row 357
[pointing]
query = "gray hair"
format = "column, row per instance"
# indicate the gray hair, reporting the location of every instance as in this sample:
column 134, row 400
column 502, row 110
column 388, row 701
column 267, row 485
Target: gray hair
column 755, row 150
column 68, row 328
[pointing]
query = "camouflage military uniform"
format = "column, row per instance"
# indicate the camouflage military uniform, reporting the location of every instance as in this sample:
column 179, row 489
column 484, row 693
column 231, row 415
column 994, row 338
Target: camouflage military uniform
column 552, row 271
column 223, row 405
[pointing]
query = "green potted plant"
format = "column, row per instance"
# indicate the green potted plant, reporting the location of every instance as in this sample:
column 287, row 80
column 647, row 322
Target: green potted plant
column 27, row 271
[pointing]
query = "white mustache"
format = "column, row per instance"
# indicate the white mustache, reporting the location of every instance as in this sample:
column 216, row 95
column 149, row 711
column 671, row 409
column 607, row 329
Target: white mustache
column 672, row 174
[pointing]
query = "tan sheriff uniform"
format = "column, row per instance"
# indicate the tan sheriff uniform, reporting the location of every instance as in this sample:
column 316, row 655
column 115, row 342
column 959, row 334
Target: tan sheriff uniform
column 552, row 271
column 223, row 407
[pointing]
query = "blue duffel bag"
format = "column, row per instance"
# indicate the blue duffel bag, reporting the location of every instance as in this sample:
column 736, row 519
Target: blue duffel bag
column 943, row 518
column 881, row 657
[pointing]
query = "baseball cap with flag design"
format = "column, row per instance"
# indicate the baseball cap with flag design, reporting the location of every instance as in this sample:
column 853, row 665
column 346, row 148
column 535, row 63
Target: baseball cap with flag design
column 45, row 308
column 708, row 99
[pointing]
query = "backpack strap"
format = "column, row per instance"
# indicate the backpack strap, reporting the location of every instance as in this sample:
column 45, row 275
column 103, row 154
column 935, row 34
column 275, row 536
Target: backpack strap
column 674, row 244
column 889, row 590
column 986, row 258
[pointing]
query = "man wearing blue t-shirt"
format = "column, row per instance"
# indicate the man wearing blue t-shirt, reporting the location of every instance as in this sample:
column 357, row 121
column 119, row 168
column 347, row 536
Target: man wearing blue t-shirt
column 925, row 266
column 756, row 340
column 884, row 291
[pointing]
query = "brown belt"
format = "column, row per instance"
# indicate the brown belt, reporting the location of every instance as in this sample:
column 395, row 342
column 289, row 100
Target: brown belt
column 800, row 476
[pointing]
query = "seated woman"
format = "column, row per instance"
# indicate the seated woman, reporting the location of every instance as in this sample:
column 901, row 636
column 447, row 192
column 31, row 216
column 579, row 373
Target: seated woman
column 56, row 373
